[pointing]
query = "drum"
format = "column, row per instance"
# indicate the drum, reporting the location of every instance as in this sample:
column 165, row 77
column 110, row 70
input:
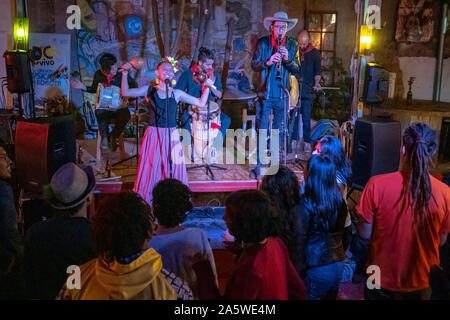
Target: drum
column 108, row 97
column 199, row 126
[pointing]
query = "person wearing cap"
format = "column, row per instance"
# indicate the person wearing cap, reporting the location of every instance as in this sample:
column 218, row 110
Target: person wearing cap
column 52, row 246
column 274, row 59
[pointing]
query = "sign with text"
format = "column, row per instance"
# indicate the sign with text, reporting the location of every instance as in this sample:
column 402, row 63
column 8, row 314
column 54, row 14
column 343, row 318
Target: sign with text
column 50, row 66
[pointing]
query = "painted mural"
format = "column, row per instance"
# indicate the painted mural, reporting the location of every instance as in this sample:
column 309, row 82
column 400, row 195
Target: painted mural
column 125, row 29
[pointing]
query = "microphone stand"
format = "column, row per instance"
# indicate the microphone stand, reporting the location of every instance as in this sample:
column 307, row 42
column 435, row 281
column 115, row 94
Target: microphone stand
column 167, row 82
column 279, row 76
column 207, row 166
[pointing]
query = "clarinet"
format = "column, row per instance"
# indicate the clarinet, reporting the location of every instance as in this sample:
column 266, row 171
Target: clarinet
column 279, row 64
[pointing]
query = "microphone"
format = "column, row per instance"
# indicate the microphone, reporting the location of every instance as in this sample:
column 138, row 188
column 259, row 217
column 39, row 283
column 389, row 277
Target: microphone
column 168, row 82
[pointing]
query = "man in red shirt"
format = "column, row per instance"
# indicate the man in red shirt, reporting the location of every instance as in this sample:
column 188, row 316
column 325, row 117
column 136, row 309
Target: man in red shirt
column 406, row 216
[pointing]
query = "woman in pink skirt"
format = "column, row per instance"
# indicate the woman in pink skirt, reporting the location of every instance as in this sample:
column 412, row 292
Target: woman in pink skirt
column 154, row 161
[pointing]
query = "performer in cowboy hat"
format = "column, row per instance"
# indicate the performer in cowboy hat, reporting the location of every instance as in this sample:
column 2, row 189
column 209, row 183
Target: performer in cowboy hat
column 274, row 59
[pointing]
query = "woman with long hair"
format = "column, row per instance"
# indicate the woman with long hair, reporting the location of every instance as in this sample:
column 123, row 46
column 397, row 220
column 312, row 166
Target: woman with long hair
column 162, row 133
column 283, row 189
column 331, row 147
column 406, row 216
column 324, row 213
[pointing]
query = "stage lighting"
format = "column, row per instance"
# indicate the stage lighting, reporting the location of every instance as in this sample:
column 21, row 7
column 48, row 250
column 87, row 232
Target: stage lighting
column 21, row 33
column 365, row 38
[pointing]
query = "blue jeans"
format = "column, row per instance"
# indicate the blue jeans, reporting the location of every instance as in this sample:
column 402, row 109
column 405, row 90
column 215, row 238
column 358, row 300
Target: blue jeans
column 263, row 110
column 306, row 119
column 323, row 282
column 225, row 122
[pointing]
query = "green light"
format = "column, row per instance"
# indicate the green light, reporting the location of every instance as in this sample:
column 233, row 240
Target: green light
column 20, row 33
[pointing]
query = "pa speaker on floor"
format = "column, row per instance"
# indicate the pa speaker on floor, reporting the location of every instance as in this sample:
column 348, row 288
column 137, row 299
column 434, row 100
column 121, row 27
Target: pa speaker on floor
column 42, row 146
column 376, row 149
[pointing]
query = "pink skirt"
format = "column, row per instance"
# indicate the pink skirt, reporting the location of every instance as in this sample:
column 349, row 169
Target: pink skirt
column 154, row 162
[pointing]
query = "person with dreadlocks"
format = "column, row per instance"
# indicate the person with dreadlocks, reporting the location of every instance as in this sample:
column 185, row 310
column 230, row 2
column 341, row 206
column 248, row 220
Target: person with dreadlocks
column 406, row 216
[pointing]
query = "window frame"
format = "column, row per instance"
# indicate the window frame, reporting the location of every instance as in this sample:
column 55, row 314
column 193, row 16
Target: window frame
column 322, row 35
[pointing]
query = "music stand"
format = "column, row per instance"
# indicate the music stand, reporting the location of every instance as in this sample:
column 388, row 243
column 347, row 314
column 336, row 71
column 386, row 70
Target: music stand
column 207, row 166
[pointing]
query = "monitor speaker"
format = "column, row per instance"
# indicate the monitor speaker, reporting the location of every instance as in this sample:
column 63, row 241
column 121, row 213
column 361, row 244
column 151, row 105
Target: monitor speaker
column 42, row 146
column 376, row 149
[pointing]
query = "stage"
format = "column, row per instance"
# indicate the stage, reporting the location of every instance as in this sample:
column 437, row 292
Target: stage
column 121, row 177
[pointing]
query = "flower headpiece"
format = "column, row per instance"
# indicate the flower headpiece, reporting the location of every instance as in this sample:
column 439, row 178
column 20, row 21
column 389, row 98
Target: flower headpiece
column 175, row 64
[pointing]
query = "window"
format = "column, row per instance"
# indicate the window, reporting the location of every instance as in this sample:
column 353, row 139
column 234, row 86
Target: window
column 322, row 28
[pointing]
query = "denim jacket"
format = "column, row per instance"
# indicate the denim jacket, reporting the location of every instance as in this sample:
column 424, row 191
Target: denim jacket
column 263, row 51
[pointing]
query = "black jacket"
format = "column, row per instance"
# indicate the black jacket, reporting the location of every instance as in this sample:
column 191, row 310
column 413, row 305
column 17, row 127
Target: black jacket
column 263, row 51
column 321, row 247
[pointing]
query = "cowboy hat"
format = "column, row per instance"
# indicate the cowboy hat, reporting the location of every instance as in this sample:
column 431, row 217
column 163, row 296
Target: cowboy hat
column 280, row 16
column 69, row 186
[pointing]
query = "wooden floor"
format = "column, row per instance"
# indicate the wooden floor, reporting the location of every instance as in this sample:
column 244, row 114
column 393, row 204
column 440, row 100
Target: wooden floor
column 113, row 177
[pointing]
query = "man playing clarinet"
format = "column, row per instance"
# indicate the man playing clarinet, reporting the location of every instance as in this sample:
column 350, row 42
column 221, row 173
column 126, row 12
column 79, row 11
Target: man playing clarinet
column 274, row 59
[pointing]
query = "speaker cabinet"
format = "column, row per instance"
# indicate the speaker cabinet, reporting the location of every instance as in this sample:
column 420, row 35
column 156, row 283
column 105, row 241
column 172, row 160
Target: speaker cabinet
column 18, row 71
column 376, row 149
column 42, row 146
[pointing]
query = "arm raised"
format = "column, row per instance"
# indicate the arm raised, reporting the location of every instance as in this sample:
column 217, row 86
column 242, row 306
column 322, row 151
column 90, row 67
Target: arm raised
column 127, row 92
column 183, row 96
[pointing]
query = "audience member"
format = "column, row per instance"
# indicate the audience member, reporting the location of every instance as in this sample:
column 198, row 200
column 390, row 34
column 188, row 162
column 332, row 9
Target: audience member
column 323, row 213
column 125, row 268
column 264, row 270
column 171, row 201
column 52, row 246
column 331, row 147
column 283, row 189
column 11, row 247
column 406, row 216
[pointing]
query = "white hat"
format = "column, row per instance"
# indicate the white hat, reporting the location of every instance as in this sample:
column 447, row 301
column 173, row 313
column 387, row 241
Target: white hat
column 280, row 16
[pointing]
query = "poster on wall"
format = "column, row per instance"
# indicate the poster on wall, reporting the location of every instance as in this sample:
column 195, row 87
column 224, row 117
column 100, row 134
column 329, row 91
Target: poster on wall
column 415, row 21
column 50, row 54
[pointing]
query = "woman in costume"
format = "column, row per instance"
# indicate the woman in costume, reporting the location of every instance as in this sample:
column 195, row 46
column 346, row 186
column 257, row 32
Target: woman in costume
column 154, row 162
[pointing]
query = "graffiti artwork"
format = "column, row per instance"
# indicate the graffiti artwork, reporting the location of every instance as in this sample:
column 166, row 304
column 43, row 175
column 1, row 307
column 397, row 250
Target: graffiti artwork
column 118, row 27
column 415, row 21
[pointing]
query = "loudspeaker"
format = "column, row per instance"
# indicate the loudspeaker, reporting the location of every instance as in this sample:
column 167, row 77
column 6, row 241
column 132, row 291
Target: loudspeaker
column 18, row 71
column 376, row 149
column 42, row 146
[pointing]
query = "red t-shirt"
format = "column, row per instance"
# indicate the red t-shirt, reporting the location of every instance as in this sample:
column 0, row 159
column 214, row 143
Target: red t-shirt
column 403, row 251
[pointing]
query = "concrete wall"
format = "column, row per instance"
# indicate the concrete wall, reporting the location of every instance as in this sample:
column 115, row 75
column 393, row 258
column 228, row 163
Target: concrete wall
column 409, row 59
